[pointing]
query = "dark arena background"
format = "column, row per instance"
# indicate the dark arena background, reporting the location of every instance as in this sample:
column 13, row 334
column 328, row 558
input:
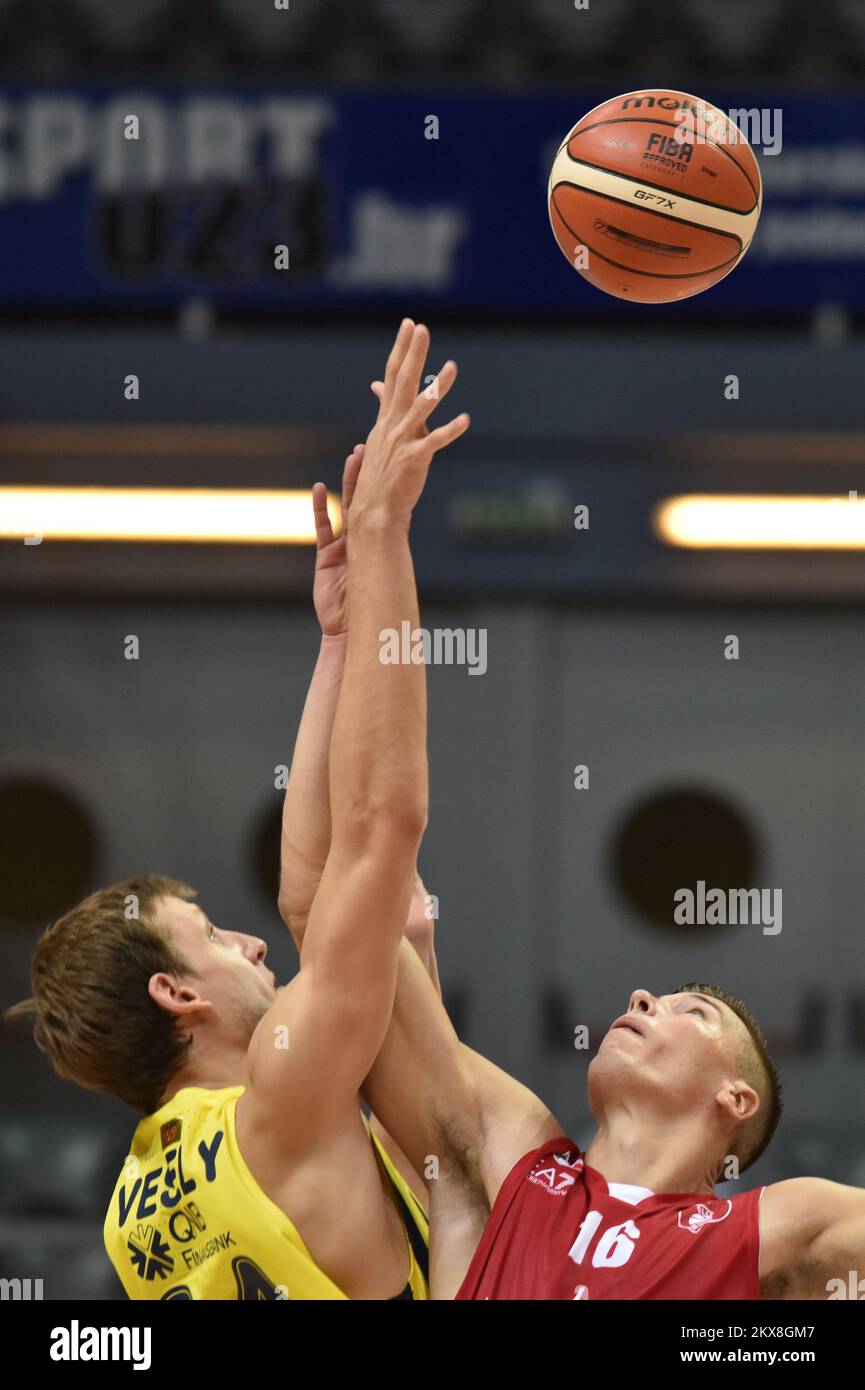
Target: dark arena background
column 653, row 711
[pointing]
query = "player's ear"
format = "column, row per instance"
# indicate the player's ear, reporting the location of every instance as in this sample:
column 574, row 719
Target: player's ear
column 739, row 1100
column 173, row 996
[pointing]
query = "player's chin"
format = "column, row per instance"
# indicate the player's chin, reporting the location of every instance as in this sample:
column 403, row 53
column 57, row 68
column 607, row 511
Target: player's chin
column 614, row 1050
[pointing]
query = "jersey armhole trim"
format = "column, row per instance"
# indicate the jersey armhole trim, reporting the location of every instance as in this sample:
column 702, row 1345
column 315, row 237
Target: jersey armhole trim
column 758, row 1204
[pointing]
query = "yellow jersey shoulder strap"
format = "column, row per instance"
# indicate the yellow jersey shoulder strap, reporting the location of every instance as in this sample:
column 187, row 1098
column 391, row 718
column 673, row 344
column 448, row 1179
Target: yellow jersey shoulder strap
column 413, row 1215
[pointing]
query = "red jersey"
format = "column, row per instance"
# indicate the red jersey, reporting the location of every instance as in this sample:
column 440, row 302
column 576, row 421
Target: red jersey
column 558, row 1229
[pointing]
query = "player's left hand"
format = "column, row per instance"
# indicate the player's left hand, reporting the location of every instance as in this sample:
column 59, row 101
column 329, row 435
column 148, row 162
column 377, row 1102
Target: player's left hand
column 328, row 589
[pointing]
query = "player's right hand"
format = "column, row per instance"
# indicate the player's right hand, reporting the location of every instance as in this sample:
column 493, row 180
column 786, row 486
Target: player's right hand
column 329, row 586
column 400, row 447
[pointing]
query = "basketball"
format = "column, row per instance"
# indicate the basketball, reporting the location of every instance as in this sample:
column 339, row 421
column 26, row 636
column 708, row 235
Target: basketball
column 654, row 196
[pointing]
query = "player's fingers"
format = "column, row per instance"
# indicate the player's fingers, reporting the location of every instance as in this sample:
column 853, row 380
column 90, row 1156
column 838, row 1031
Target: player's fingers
column 396, row 358
column 446, row 434
column 377, row 388
column 349, row 479
column 323, row 528
column 349, row 472
column 408, row 377
column 435, row 391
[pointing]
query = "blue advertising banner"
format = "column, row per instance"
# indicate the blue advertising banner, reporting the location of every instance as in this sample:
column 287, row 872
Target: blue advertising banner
column 149, row 196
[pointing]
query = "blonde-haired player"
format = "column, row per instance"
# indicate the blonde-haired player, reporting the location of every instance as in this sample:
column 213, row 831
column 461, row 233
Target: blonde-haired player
column 252, row 1173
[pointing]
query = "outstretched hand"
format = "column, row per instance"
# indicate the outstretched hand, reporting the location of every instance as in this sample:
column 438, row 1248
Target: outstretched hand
column 328, row 589
column 400, row 446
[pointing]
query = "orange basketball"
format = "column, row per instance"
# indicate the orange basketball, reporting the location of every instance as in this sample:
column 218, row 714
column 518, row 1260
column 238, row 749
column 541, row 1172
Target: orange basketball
column 655, row 196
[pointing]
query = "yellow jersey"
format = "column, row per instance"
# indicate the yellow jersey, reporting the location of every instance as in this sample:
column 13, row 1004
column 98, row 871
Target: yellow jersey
column 188, row 1220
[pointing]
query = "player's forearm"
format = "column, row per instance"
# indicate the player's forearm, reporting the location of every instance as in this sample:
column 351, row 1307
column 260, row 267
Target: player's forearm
column 420, row 930
column 306, row 809
column 418, row 1075
column 306, row 827
column 426, row 952
column 378, row 763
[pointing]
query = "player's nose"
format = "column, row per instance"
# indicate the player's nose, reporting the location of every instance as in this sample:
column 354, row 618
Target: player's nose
column 643, row 1001
column 255, row 950
column 250, row 946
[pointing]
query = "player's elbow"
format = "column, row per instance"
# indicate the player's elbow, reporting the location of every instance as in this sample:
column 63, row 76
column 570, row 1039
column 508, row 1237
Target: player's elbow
column 410, row 818
column 388, row 826
column 294, row 920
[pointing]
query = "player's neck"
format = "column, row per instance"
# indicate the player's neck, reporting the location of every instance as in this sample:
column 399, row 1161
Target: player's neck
column 657, row 1154
column 212, row 1066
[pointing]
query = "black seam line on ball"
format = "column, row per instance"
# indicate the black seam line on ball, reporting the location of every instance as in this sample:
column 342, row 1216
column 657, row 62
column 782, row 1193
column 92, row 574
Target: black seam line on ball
column 646, row 120
column 632, row 270
column 657, row 212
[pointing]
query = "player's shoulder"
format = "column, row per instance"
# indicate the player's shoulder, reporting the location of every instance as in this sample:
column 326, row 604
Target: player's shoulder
column 793, row 1212
column 803, row 1201
column 800, row 1219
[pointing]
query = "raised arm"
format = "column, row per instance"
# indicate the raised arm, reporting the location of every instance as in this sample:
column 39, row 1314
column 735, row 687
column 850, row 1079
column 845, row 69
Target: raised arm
column 442, row 1101
column 305, row 840
column 337, row 1009
column 306, row 828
